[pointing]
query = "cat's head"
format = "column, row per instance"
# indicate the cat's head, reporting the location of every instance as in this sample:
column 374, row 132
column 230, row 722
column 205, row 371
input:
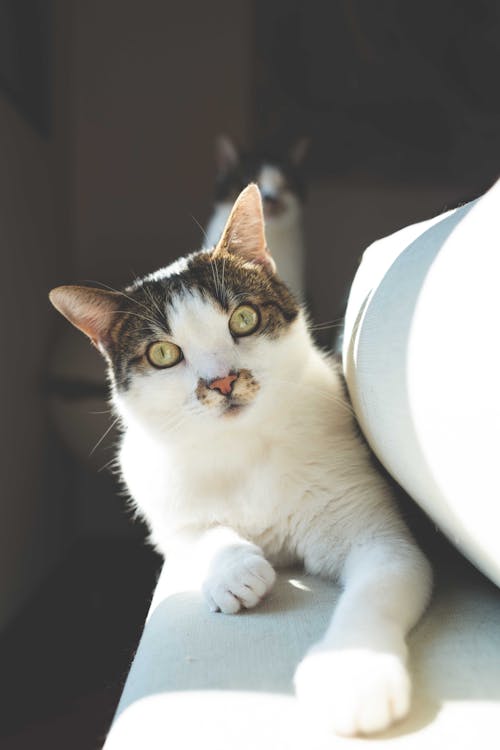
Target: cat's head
column 278, row 174
column 214, row 336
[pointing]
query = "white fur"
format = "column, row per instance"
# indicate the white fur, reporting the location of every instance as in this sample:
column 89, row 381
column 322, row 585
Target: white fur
column 285, row 480
column 284, row 232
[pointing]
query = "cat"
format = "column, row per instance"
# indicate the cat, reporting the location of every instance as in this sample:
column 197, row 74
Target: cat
column 281, row 182
column 240, row 451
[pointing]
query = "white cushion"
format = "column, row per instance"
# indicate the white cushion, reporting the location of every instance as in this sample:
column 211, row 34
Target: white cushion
column 219, row 682
column 422, row 363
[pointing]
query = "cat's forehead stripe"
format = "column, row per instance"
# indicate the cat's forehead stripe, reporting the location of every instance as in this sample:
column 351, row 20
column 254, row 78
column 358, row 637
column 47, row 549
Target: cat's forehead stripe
column 173, row 269
column 227, row 280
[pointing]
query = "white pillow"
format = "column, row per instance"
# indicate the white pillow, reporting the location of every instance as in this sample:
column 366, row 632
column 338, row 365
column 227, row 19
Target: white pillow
column 421, row 357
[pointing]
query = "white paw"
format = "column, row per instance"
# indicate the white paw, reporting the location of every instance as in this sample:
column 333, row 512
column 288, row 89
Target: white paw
column 239, row 577
column 353, row 691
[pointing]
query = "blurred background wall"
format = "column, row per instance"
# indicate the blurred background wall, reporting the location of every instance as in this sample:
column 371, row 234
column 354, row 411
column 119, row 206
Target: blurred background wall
column 34, row 246
column 153, row 85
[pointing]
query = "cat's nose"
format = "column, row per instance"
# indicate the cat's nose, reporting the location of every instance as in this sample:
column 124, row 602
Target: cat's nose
column 224, row 385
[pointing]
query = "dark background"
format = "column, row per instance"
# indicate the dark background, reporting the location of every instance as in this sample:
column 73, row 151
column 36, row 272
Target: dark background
column 108, row 114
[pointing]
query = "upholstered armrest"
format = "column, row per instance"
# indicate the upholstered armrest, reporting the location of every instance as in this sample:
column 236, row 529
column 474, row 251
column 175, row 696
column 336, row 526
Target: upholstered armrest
column 212, row 681
column 422, row 362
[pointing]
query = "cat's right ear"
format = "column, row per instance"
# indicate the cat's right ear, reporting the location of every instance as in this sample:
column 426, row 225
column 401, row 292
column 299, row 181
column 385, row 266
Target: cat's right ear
column 244, row 234
column 91, row 310
column 226, row 154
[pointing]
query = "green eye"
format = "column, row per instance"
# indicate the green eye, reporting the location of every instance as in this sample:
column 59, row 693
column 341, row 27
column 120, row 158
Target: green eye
column 164, row 354
column 244, row 320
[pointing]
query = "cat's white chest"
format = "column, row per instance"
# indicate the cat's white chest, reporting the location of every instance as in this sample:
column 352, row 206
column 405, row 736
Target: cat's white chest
column 251, row 490
column 243, row 491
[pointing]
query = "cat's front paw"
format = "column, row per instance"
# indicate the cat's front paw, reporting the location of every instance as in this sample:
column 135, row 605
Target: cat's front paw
column 237, row 578
column 353, row 691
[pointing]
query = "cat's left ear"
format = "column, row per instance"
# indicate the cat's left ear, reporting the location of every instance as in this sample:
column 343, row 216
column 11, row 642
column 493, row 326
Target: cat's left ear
column 91, row 310
column 244, row 233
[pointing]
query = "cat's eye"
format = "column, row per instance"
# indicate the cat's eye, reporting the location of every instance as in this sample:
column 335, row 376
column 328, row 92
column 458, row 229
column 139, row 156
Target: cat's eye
column 164, row 354
column 244, row 320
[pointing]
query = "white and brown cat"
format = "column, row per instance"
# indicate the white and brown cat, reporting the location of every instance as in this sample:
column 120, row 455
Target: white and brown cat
column 240, row 452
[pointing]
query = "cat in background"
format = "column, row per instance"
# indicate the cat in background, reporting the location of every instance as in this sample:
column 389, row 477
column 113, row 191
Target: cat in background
column 281, row 183
column 241, row 453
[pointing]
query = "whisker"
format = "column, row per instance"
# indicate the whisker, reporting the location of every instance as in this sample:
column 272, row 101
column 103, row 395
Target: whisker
column 175, row 424
column 215, row 273
column 324, row 394
column 219, row 288
column 113, row 423
column 154, row 303
column 199, row 226
column 223, row 276
column 117, row 291
column 138, row 315
column 325, row 327
column 241, row 295
column 108, row 465
column 327, row 324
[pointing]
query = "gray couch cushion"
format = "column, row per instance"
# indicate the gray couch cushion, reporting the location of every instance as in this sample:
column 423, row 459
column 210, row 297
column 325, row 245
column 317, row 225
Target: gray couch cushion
column 205, row 680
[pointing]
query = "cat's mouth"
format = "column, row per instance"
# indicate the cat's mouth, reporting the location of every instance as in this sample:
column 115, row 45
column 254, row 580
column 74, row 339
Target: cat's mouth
column 232, row 409
column 229, row 395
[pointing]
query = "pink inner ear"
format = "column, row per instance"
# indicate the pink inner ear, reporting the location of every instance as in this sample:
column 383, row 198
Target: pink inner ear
column 95, row 327
column 244, row 233
column 93, row 311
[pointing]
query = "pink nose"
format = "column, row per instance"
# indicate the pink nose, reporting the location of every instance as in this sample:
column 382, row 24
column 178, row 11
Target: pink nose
column 224, row 385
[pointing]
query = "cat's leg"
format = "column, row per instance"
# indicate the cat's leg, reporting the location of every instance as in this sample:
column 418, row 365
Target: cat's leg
column 230, row 571
column 355, row 679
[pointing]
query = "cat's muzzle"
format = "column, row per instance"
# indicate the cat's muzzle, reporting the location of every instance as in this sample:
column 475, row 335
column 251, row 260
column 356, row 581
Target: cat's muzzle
column 231, row 392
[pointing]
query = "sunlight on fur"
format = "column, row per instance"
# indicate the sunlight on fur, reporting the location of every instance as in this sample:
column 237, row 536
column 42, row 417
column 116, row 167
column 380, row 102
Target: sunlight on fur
column 298, row 584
